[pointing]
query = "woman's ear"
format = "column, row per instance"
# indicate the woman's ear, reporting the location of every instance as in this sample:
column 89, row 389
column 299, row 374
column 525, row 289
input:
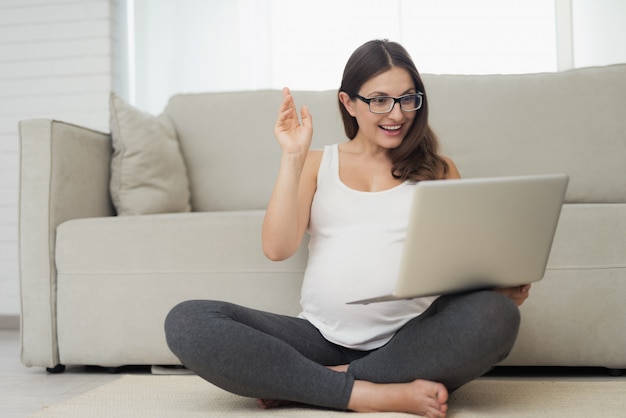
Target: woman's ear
column 347, row 102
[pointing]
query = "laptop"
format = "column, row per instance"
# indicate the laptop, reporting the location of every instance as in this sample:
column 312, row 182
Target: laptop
column 477, row 233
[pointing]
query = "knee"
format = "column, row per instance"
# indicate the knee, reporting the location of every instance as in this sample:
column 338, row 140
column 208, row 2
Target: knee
column 502, row 317
column 176, row 323
column 178, row 316
column 500, row 306
column 184, row 322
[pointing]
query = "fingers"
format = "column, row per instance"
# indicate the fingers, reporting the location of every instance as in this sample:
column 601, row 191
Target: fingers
column 288, row 110
column 287, row 103
column 307, row 119
column 522, row 295
column 286, row 94
column 517, row 294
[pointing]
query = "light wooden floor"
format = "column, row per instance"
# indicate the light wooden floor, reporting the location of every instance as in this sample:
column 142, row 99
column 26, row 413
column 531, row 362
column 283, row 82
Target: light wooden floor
column 24, row 391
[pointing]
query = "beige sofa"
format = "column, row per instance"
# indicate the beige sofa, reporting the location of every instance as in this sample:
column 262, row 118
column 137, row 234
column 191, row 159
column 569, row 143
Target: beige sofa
column 96, row 286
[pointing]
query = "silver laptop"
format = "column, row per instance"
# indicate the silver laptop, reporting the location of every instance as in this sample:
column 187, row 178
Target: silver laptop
column 478, row 233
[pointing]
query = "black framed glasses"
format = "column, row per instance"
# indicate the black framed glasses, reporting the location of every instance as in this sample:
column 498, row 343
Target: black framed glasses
column 384, row 104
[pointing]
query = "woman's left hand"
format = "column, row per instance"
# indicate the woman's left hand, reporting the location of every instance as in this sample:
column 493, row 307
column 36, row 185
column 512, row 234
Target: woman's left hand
column 518, row 294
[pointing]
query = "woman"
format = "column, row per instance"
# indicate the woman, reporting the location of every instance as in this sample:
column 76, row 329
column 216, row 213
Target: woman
column 353, row 198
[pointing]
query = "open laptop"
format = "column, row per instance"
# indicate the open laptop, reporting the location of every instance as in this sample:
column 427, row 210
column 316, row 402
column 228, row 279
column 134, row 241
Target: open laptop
column 478, row 233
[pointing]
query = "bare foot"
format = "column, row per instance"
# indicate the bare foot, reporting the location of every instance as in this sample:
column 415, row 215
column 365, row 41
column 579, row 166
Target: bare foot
column 272, row 403
column 420, row 397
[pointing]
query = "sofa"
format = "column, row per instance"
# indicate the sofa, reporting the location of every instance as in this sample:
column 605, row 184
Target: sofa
column 117, row 228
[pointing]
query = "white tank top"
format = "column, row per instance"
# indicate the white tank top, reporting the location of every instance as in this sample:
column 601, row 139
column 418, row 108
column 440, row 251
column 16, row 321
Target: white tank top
column 354, row 253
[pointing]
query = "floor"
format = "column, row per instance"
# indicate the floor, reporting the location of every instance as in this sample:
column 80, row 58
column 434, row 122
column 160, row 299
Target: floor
column 24, row 391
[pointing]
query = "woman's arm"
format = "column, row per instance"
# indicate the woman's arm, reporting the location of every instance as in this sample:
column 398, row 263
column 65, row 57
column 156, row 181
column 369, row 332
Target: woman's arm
column 289, row 208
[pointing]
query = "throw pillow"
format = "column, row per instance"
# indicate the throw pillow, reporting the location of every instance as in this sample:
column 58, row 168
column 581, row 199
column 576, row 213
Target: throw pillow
column 148, row 173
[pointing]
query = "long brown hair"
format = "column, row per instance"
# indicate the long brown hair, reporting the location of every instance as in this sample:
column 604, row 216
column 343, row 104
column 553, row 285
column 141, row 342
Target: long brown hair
column 416, row 158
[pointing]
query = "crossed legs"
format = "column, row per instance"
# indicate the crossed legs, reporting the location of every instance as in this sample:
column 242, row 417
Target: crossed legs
column 263, row 355
column 258, row 354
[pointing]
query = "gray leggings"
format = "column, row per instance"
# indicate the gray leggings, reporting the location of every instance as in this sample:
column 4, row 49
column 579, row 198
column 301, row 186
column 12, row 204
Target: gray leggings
column 268, row 356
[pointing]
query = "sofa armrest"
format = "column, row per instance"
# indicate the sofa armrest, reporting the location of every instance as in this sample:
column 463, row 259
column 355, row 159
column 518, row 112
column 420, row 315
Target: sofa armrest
column 64, row 174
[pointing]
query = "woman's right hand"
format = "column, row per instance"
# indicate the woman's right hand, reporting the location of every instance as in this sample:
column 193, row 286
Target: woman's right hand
column 288, row 210
column 518, row 294
column 293, row 136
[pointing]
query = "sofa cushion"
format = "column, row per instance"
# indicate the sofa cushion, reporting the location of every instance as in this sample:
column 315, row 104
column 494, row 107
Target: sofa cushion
column 148, row 174
column 491, row 125
column 574, row 316
column 197, row 242
column 570, row 122
column 118, row 277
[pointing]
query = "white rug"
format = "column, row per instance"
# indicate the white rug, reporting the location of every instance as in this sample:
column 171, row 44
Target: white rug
column 134, row 396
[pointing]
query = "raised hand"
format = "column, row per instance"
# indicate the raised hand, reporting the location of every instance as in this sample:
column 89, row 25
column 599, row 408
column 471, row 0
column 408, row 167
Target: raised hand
column 293, row 136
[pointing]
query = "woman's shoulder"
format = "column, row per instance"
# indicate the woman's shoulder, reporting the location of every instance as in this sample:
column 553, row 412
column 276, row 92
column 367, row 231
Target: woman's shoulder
column 453, row 171
column 315, row 155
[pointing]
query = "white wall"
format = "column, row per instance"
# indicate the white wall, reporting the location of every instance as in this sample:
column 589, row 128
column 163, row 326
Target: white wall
column 189, row 49
column 599, row 32
column 56, row 61
column 216, row 45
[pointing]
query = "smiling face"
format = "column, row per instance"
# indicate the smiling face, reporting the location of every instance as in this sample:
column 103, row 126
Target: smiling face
column 383, row 130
